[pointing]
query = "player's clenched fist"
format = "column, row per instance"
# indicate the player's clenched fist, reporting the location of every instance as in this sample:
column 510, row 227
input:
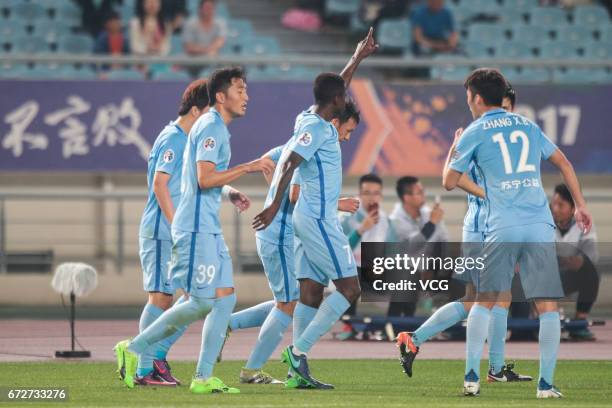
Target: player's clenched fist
column 348, row 204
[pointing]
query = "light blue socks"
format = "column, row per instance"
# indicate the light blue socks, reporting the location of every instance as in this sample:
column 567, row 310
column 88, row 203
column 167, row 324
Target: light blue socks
column 150, row 313
column 213, row 335
column 497, row 337
column 251, row 317
column 302, row 316
column 477, row 329
column 171, row 321
column 442, row 319
column 270, row 336
column 330, row 311
column 550, row 335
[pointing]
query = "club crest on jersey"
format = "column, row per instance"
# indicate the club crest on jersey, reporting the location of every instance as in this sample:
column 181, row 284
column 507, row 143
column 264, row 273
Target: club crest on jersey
column 210, row 144
column 168, row 156
column 305, row 139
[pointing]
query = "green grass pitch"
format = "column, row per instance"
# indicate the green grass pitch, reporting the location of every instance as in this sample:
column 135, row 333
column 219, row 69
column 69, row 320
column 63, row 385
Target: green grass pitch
column 359, row 383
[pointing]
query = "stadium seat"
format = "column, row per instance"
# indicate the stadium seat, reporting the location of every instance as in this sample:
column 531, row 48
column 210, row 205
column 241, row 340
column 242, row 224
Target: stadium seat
column 124, row 74
column 557, row 50
column 262, row 45
column 510, row 16
column 176, row 45
column 475, row 49
column 547, row 16
column 512, row 49
column 450, row 73
column 69, row 14
column 239, row 28
column 357, row 25
column 10, row 29
column 598, row 50
column 172, row 76
column 591, row 16
column 13, row 71
column 232, row 46
column 580, row 75
column 29, row 44
column 529, row 35
column 394, row 33
column 530, row 75
column 83, row 73
column 605, row 33
column 341, row 7
column 481, row 6
column 486, row 32
column 461, row 15
column 76, row 44
column 222, row 11
column 127, row 10
column 42, row 71
column 27, row 11
column 49, row 30
column 576, row 35
column 523, row 6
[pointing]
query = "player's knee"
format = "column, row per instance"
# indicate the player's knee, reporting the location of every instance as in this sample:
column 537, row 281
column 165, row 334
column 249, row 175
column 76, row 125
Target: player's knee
column 311, row 299
column 350, row 292
column 161, row 300
column 286, row 307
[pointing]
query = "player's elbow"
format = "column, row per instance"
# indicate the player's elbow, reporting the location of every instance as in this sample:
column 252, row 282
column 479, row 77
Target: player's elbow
column 448, row 184
column 204, row 183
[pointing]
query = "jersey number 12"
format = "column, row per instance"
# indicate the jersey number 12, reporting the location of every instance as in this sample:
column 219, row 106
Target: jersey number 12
column 503, row 147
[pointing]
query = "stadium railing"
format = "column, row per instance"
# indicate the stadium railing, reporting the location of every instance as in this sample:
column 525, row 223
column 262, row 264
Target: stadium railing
column 240, row 227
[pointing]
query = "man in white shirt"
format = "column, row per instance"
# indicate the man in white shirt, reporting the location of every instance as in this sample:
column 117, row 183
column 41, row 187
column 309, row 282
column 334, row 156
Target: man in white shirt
column 577, row 254
column 415, row 224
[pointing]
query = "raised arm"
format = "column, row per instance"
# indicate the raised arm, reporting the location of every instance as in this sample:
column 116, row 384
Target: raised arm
column 582, row 215
column 264, row 218
column 364, row 49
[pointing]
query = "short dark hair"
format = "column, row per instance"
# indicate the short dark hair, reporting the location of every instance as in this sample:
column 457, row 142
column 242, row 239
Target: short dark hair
column 564, row 193
column 328, row 86
column 370, row 178
column 489, row 83
column 221, row 80
column 510, row 94
column 205, row 1
column 196, row 94
column 403, row 184
column 350, row 111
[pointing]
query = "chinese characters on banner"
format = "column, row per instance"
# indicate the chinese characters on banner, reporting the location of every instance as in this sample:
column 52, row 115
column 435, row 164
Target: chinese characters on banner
column 114, row 124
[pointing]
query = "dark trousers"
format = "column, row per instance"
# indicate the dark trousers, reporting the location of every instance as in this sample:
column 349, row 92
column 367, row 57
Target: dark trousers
column 585, row 281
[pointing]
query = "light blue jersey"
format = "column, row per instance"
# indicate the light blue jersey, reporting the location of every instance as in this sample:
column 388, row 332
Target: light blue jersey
column 474, row 220
column 280, row 231
column 507, row 149
column 198, row 210
column 316, row 140
column 166, row 156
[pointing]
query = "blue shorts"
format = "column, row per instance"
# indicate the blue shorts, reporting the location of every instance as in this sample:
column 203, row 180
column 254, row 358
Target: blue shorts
column 201, row 263
column 322, row 251
column 533, row 248
column 471, row 248
column 155, row 262
column 279, row 267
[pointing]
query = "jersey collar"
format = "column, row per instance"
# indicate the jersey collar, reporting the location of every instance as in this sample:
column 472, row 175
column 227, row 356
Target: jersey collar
column 494, row 112
column 180, row 129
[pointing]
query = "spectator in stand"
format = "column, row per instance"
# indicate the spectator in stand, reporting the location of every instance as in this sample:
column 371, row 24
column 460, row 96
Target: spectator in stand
column 204, row 35
column 433, row 29
column 112, row 40
column 95, row 13
column 577, row 254
column 149, row 33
